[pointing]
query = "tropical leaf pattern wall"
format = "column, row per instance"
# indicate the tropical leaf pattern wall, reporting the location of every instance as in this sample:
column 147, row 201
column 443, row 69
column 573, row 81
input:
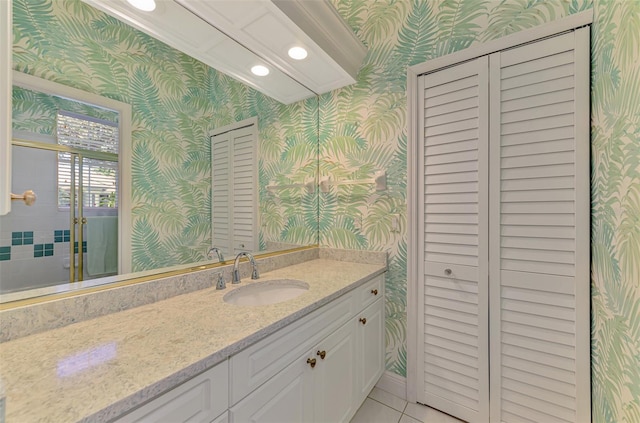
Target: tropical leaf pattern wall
column 175, row 101
column 36, row 112
column 363, row 129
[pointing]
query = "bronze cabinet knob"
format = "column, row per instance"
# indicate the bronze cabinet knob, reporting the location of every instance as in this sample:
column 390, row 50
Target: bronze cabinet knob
column 363, row 320
column 312, row 362
column 374, row 291
column 322, row 354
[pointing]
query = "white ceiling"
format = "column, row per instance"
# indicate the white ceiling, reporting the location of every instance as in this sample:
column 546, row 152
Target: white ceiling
column 262, row 34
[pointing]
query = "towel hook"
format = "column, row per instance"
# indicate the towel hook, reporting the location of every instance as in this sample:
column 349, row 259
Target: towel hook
column 29, row 197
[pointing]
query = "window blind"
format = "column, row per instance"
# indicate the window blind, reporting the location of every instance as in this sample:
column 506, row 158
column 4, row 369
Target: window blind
column 100, row 177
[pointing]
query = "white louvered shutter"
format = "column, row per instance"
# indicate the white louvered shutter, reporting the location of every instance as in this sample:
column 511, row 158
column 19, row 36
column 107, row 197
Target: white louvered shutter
column 221, row 198
column 539, row 231
column 233, row 190
column 244, row 190
column 453, row 200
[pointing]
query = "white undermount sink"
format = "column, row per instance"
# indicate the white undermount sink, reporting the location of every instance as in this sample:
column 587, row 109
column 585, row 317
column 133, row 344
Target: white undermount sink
column 267, row 292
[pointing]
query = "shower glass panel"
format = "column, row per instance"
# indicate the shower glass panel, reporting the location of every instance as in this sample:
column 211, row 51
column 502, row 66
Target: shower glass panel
column 48, row 243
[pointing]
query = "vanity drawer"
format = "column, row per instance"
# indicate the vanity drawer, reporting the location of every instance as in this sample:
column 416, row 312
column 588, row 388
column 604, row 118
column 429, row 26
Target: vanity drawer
column 370, row 291
column 200, row 399
column 255, row 365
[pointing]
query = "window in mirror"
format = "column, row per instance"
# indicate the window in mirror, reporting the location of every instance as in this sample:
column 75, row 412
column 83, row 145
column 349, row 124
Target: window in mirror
column 100, row 176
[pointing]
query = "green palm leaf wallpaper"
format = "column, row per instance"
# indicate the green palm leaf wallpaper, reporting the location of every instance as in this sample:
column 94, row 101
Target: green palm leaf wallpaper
column 367, row 118
column 362, row 129
column 176, row 101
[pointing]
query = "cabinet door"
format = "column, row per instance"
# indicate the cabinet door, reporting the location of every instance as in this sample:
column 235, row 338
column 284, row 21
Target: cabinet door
column 335, row 389
column 370, row 358
column 286, row 398
column 199, row 400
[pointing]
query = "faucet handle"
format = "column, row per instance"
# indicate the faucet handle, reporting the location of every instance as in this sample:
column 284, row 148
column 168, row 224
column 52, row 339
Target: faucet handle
column 255, row 274
column 221, row 284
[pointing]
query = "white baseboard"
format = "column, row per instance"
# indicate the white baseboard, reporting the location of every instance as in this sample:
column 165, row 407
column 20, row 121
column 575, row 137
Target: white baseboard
column 394, row 384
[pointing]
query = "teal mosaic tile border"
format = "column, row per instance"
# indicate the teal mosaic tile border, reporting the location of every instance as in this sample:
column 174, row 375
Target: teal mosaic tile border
column 22, row 238
column 62, row 235
column 5, row 253
column 42, row 250
column 19, row 238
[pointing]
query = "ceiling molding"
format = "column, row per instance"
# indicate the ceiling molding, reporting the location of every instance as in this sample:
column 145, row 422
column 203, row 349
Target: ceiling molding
column 321, row 21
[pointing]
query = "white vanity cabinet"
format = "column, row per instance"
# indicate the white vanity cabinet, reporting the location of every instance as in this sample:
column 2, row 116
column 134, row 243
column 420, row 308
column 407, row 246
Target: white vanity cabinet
column 317, row 369
column 313, row 388
column 318, row 386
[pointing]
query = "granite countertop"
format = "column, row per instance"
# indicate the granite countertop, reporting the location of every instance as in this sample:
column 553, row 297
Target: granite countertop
column 99, row 369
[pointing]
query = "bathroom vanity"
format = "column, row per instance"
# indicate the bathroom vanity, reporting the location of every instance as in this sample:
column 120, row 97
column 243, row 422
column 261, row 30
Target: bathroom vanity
column 311, row 358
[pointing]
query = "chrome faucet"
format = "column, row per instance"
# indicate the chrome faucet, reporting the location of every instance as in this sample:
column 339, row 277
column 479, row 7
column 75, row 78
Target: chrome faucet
column 217, row 251
column 236, row 272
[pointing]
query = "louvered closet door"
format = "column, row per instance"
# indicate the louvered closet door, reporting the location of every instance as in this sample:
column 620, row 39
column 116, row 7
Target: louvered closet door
column 539, row 231
column 454, row 240
column 244, row 188
column 221, row 166
column 233, row 190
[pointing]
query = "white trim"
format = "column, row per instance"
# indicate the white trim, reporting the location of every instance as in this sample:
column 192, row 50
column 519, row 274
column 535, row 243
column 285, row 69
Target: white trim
column 412, row 251
column 233, row 126
column 583, row 224
column 419, row 239
column 322, row 22
column 125, row 227
column 394, row 384
column 6, row 49
column 552, row 28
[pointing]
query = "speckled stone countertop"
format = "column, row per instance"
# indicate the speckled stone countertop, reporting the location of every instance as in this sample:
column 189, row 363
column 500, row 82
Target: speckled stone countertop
column 101, row 368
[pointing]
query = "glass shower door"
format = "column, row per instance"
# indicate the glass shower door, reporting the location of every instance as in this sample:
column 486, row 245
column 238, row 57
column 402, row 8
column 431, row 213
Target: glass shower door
column 45, row 244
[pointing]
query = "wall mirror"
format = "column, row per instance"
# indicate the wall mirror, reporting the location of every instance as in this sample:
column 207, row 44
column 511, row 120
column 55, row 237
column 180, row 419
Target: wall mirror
column 178, row 105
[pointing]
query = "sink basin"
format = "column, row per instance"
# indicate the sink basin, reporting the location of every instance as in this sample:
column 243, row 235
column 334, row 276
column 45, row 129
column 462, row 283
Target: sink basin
column 267, row 292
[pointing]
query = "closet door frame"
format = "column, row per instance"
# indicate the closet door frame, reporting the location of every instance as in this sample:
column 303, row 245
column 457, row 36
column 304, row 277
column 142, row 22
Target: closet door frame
column 414, row 176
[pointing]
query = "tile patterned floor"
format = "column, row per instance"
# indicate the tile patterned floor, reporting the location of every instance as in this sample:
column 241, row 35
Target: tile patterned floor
column 383, row 407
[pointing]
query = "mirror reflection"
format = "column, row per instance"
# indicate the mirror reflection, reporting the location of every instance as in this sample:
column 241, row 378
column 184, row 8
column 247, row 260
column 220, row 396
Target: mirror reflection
column 68, row 153
column 179, row 107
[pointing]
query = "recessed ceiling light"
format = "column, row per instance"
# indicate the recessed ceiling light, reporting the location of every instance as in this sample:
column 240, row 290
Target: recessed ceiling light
column 297, row 53
column 260, row 70
column 144, row 5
